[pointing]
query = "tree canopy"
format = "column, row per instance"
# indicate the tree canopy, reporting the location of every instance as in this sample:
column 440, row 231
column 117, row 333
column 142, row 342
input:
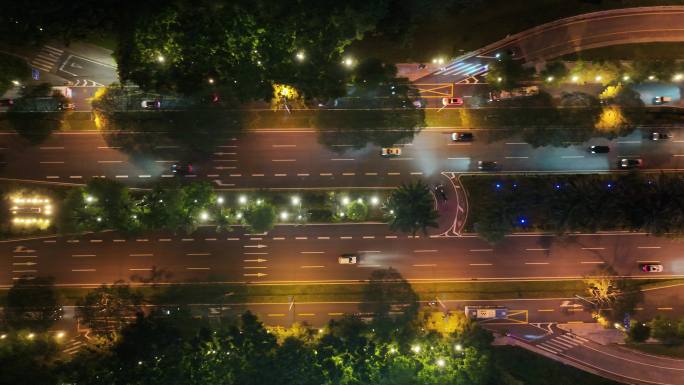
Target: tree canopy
column 411, row 207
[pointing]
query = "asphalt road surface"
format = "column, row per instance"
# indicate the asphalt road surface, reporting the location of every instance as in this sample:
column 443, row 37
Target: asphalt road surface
column 295, row 158
column 291, row 254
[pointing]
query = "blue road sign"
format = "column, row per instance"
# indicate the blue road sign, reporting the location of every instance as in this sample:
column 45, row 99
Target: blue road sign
column 35, row 74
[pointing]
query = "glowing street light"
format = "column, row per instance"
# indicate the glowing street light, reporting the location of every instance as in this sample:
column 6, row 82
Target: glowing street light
column 499, row 79
column 625, row 78
column 30, row 336
column 300, row 56
column 204, row 216
column 89, row 199
column 16, row 82
column 296, row 200
column 345, row 201
column 210, row 80
column 651, row 77
column 549, row 79
column 219, row 200
column 242, row 199
column 678, row 77
column 598, row 78
column 238, row 215
column 284, row 215
column 348, row 62
column 458, row 347
column 415, row 348
column 60, row 335
column 374, row 201
column 440, row 362
column 575, row 79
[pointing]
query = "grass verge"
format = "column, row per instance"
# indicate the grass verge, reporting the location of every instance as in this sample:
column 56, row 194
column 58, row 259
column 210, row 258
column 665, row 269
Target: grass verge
column 676, row 351
column 533, row 369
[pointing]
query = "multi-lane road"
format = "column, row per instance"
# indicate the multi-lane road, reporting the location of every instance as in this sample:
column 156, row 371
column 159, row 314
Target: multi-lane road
column 295, row 158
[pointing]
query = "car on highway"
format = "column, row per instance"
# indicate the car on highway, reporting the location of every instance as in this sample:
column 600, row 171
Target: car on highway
column 452, row 102
column 661, row 100
column 440, row 193
column 659, row 136
column 150, row 104
column 347, row 259
column 6, row 102
column 66, row 106
column 461, row 136
column 599, row 149
column 651, row 268
column 487, row 165
column 628, row 163
column 390, row 152
column 182, row 168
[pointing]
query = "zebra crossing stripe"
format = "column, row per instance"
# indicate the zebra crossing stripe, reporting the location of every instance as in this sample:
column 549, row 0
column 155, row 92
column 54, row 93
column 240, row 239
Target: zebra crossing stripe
column 51, row 48
column 548, row 349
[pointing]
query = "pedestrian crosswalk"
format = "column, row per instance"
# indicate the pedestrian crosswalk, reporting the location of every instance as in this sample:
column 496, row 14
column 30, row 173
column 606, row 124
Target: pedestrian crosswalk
column 47, row 58
column 463, row 69
column 73, row 345
column 559, row 343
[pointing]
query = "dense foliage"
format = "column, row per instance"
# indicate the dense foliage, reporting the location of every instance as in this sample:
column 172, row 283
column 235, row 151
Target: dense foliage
column 568, row 203
column 411, row 207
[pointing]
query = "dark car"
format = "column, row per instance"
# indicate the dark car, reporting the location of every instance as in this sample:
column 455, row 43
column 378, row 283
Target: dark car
column 659, row 136
column 599, row 149
column 182, row 168
column 487, row 165
column 630, row 163
column 651, row 268
column 6, row 102
column 462, row 136
column 440, row 193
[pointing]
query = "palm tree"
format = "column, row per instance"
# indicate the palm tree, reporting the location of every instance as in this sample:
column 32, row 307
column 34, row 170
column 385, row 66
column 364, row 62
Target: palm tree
column 411, row 208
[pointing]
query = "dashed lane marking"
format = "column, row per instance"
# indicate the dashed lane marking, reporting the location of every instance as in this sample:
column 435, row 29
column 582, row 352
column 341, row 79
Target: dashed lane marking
column 141, row 255
column 480, row 264
column 198, row 268
column 312, row 266
column 537, row 263
column 197, row 254
column 480, row 250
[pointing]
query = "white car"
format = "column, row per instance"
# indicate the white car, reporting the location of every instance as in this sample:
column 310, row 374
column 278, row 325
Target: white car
column 347, row 259
column 390, row 152
column 652, row 268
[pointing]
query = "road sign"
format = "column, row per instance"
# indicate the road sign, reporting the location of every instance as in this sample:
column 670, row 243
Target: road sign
column 35, row 74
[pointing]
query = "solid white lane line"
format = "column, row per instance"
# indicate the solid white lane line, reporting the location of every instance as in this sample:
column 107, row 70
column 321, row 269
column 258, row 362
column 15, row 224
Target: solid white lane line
column 416, row 173
column 144, row 176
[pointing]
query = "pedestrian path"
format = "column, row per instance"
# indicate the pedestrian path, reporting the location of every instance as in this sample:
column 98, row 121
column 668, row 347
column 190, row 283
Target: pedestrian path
column 47, row 58
column 560, row 343
column 72, row 346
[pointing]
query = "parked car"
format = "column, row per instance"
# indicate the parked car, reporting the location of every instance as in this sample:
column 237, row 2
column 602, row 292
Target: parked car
column 452, row 101
column 599, row 149
column 628, row 163
column 651, row 268
column 182, row 168
column 347, row 259
column 390, row 152
column 487, row 165
column 150, row 104
column 462, row 136
column 660, row 136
